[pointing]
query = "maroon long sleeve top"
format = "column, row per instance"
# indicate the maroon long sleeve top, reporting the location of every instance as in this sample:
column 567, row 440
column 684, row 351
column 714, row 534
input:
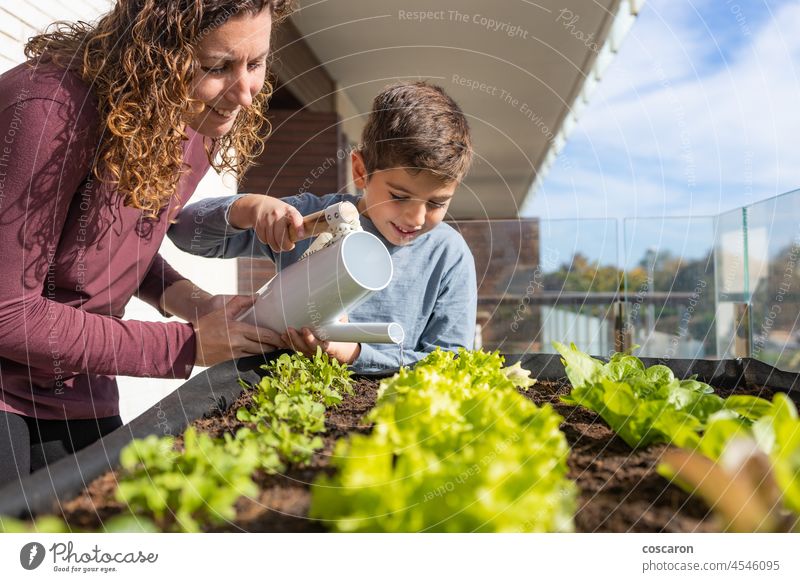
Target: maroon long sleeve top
column 72, row 255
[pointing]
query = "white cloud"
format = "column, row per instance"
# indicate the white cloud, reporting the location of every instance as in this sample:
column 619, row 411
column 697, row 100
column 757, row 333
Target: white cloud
column 676, row 129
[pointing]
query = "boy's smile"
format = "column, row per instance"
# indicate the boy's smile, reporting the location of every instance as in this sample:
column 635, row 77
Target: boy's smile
column 403, row 206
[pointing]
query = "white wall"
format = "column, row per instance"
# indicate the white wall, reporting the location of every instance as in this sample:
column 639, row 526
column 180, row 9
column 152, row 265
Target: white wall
column 21, row 19
column 215, row 276
column 591, row 334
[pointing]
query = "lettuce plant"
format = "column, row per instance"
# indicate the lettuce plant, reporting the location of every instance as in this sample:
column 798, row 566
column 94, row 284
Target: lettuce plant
column 778, row 434
column 288, row 408
column 454, row 448
column 748, row 470
column 201, row 484
column 43, row 524
column 125, row 523
column 649, row 405
column 321, row 376
column 186, row 489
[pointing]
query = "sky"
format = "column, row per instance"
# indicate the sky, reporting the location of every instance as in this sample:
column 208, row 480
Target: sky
column 697, row 115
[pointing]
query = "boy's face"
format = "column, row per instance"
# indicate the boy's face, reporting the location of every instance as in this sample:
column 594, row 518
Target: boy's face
column 402, row 205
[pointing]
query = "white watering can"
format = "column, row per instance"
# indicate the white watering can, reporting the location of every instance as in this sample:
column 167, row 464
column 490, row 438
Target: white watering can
column 335, row 275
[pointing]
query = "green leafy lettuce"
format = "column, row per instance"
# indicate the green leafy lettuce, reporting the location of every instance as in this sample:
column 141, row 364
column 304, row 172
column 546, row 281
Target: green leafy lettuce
column 776, row 432
column 454, row 448
column 649, row 405
column 287, row 414
column 183, row 490
column 186, row 490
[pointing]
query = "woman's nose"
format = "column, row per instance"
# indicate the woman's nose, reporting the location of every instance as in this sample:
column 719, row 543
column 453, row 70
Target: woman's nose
column 240, row 91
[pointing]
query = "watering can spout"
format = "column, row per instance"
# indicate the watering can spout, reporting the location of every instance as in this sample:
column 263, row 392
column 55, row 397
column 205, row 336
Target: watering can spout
column 368, row 333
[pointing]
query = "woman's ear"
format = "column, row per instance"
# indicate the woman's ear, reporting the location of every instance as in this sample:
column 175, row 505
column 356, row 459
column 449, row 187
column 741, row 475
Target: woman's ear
column 359, row 170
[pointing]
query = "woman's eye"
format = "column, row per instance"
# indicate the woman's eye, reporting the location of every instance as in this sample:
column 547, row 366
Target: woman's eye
column 435, row 205
column 214, row 70
column 254, row 66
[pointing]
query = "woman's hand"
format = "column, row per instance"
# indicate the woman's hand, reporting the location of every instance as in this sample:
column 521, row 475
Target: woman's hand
column 211, row 303
column 189, row 302
column 219, row 337
column 269, row 217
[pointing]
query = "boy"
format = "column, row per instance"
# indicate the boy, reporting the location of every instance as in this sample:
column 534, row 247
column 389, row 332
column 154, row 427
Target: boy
column 415, row 149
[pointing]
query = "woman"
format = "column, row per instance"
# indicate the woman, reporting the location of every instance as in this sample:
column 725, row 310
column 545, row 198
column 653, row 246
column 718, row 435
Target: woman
column 104, row 134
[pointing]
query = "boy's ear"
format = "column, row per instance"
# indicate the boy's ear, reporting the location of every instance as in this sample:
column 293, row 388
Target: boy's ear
column 359, row 170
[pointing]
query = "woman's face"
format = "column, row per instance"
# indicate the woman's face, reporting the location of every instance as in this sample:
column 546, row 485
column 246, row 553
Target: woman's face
column 232, row 60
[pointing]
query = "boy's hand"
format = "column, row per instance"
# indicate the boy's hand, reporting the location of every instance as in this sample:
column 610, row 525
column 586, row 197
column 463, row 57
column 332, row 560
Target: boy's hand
column 269, row 217
column 305, row 342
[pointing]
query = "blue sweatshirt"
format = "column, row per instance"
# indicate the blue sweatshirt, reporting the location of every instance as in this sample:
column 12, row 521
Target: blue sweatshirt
column 433, row 293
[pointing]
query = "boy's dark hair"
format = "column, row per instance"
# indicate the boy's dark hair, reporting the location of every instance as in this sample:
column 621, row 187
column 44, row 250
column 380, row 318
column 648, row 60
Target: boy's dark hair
column 418, row 127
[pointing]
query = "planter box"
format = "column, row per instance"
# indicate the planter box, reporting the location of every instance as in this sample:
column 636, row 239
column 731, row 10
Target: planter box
column 620, row 490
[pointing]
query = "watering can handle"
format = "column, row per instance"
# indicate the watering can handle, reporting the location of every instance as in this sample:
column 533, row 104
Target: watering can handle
column 318, row 222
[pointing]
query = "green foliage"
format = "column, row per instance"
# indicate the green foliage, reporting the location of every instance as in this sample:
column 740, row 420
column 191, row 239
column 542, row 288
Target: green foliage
column 650, row 405
column 646, row 406
column 44, row 524
column 201, row 484
column 454, row 448
column 519, row 375
column 583, row 274
column 184, row 490
column 778, row 433
column 125, row 523
column 288, row 409
column 128, row 523
column 746, row 466
column 321, row 376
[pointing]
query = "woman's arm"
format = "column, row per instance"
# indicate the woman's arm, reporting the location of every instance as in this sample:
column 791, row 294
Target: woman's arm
column 51, row 144
column 171, row 293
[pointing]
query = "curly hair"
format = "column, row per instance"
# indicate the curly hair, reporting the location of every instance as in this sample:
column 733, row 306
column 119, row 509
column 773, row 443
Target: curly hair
column 139, row 59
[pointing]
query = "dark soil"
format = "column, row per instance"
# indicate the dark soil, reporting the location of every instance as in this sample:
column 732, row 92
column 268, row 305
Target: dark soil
column 620, row 490
column 284, row 500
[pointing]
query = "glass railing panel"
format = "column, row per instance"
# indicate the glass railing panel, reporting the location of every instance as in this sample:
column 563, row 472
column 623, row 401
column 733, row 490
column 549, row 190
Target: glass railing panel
column 732, row 284
column 670, row 287
column 773, row 249
column 545, row 280
column 698, row 287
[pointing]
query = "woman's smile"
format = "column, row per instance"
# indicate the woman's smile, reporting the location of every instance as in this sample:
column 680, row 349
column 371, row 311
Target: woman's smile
column 223, row 112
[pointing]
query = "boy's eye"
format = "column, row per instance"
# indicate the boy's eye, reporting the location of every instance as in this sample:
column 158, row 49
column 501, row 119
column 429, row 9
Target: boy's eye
column 435, row 205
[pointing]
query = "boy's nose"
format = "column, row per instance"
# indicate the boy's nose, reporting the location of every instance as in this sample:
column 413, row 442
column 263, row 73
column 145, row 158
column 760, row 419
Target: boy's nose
column 416, row 213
